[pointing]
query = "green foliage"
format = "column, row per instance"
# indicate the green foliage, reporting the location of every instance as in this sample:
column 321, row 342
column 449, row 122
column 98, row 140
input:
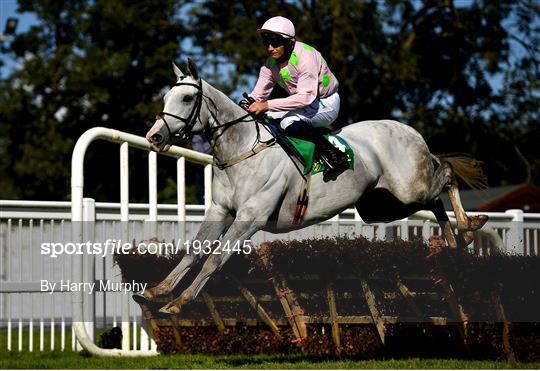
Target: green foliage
column 88, row 63
column 168, row 194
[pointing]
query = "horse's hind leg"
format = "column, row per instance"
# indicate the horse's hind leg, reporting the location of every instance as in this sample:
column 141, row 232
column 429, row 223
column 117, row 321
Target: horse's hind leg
column 444, row 177
column 466, row 225
column 444, row 222
column 441, row 179
column 464, row 222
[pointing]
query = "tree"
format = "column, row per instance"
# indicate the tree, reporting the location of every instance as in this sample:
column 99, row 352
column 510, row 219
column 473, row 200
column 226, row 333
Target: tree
column 87, row 63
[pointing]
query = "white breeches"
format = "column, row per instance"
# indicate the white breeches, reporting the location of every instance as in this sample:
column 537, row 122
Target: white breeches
column 320, row 113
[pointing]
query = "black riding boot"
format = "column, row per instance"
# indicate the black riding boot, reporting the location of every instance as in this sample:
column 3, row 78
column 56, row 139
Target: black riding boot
column 336, row 161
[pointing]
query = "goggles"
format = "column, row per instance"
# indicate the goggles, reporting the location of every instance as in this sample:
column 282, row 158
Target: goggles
column 273, row 39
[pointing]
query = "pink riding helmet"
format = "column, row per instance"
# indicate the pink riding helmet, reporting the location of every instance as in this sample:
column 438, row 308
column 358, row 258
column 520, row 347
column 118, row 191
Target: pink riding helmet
column 279, row 25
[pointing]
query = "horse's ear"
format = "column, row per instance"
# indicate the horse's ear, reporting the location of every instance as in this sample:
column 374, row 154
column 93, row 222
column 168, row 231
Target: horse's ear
column 192, row 69
column 177, row 71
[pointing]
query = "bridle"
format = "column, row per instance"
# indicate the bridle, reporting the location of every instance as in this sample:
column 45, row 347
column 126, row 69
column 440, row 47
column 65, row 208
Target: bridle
column 209, row 132
column 193, row 115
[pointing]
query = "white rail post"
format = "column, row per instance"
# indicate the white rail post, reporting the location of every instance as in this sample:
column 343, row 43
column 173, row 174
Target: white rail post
column 380, row 232
column 124, row 220
column 20, row 296
column 153, row 230
column 77, row 298
column 89, row 268
column 514, row 241
column 8, row 278
column 207, row 187
column 426, row 230
column 404, row 229
column 152, row 192
column 358, row 223
column 181, row 197
column 334, row 226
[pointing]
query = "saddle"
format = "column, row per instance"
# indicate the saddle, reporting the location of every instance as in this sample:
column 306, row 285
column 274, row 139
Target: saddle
column 303, row 151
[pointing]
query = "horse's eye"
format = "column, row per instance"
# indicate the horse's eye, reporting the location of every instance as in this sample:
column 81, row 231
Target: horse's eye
column 187, row 98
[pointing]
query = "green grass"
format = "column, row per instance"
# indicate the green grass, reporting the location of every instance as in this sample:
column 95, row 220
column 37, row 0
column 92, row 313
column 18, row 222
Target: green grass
column 72, row 360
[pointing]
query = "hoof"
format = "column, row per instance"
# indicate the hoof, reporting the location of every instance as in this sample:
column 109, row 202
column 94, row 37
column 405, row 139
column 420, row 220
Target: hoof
column 477, row 222
column 170, row 308
column 140, row 298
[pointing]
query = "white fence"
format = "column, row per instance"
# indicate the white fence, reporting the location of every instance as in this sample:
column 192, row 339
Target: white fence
column 25, row 310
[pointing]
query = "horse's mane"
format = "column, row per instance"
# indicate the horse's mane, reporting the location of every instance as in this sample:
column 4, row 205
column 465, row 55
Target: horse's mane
column 226, row 99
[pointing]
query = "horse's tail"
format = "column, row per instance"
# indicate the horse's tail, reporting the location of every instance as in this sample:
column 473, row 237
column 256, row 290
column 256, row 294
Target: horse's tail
column 466, row 168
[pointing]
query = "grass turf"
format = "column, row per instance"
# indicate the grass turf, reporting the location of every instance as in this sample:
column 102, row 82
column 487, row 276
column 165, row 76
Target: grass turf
column 68, row 359
column 72, row 360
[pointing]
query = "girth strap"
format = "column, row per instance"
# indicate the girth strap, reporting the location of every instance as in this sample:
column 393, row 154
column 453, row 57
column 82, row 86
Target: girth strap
column 245, row 155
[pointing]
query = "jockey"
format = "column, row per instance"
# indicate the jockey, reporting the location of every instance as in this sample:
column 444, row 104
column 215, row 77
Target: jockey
column 313, row 100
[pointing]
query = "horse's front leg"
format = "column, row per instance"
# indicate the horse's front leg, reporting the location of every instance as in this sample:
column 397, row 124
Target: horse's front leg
column 216, row 221
column 239, row 232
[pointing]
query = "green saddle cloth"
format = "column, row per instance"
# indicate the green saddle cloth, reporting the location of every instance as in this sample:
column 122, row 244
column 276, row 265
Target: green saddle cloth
column 307, row 150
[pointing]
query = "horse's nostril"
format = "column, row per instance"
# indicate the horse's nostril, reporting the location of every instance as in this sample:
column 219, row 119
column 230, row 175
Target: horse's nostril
column 157, row 138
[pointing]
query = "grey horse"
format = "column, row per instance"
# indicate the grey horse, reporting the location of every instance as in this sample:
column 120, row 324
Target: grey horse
column 257, row 185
